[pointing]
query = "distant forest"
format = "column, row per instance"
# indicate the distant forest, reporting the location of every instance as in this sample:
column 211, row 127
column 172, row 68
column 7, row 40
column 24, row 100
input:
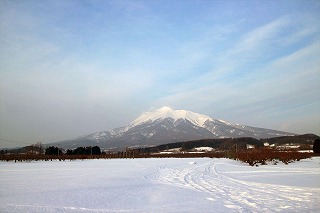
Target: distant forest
column 306, row 141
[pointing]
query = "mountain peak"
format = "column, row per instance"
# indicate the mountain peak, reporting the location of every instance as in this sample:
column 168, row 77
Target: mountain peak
column 145, row 132
column 167, row 112
column 164, row 108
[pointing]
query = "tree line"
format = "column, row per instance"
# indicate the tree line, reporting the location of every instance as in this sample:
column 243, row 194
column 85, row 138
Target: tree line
column 229, row 148
column 224, row 144
column 90, row 150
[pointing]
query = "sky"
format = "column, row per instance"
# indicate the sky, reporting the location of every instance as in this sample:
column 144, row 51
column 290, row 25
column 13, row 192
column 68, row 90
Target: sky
column 71, row 68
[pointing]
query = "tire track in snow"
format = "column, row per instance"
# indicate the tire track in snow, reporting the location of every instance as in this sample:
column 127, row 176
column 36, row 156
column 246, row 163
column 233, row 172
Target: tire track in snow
column 278, row 197
column 238, row 195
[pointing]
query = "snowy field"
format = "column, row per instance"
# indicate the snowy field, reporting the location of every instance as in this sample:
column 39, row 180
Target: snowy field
column 159, row 185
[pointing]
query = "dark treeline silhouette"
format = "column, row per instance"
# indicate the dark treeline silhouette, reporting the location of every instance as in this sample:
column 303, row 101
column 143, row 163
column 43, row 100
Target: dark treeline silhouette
column 226, row 143
column 52, row 150
column 316, row 146
column 305, row 139
column 234, row 148
column 90, row 150
column 253, row 157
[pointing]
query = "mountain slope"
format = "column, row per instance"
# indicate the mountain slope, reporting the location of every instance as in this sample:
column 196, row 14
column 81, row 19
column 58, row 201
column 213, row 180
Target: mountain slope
column 166, row 125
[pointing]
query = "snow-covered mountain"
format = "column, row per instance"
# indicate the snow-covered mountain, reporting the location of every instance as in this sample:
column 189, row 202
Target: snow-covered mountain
column 166, row 125
column 167, row 112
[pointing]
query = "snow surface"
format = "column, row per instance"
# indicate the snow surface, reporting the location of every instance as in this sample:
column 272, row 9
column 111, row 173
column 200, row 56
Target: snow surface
column 204, row 148
column 159, row 185
column 167, row 112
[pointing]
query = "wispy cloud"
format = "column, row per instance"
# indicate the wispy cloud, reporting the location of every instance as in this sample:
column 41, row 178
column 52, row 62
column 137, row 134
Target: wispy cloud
column 255, row 40
column 278, row 85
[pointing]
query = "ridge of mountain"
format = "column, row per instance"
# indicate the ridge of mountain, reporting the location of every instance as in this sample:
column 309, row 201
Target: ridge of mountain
column 166, row 125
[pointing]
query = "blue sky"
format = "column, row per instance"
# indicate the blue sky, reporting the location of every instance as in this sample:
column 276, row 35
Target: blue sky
column 70, row 68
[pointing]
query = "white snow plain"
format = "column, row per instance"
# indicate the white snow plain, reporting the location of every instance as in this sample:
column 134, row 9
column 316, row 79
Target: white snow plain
column 159, row 185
